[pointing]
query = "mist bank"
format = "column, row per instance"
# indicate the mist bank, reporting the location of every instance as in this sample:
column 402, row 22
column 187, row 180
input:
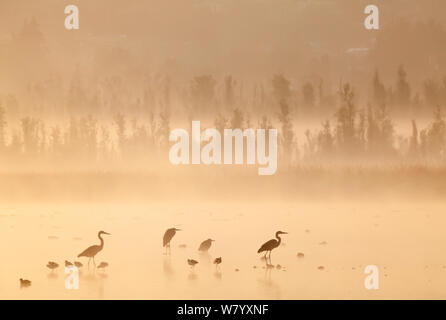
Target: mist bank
column 207, row 185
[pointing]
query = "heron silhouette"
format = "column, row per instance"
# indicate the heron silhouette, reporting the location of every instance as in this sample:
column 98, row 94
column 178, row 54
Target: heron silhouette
column 205, row 245
column 271, row 244
column 168, row 235
column 90, row 252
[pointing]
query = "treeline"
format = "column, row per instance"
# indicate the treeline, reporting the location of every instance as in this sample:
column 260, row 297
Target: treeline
column 140, row 94
column 354, row 135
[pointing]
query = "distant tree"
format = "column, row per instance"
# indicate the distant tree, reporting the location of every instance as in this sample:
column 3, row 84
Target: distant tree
column 164, row 129
column 237, row 119
column 435, row 136
column 325, row 140
column 414, row 145
column 379, row 90
column 3, row 124
column 346, row 134
column 403, row 91
column 308, row 94
column 120, row 123
column 281, row 88
column 203, row 91
column 432, row 92
column 229, row 98
column 380, row 131
column 30, row 134
column 220, row 123
column 287, row 134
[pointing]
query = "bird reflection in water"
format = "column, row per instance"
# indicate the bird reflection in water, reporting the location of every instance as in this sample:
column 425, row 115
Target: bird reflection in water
column 167, row 266
column 271, row 287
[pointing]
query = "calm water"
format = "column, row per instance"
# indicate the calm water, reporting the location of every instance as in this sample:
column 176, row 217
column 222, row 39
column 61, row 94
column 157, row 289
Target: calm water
column 406, row 242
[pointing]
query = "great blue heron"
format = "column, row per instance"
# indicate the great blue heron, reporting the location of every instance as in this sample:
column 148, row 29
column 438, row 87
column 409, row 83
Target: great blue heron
column 168, row 235
column 271, row 244
column 205, row 245
column 90, row 252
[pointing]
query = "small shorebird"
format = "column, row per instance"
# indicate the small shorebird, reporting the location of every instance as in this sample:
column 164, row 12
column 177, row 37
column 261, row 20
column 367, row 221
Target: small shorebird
column 52, row 265
column 68, row 264
column 217, row 261
column 192, row 262
column 103, row 265
column 78, row 264
column 24, row 283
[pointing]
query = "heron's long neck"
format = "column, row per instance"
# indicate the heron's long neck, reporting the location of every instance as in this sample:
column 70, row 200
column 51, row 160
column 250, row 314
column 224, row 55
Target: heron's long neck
column 278, row 238
column 102, row 240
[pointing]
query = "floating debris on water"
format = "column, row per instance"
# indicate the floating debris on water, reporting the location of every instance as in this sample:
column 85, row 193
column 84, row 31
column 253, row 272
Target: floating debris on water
column 321, row 268
column 300, row 255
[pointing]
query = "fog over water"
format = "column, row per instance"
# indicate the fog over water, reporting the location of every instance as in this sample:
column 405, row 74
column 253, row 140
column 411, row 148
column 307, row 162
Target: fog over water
column 86, row 118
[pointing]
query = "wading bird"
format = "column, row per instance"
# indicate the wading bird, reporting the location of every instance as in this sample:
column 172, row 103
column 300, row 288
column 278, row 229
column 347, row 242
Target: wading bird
column 52, row 265
column 103, row 265
column 217, row 261
column 205, row 245
column 24, row 283
column 192, row 262
column 78, row 264
column 90, row 252
column 168, row 235
column 271, row 244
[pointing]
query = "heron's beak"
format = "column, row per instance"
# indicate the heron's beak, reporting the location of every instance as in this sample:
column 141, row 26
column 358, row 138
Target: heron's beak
column 107, row 233
column 177, row 229
column 284, row 232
